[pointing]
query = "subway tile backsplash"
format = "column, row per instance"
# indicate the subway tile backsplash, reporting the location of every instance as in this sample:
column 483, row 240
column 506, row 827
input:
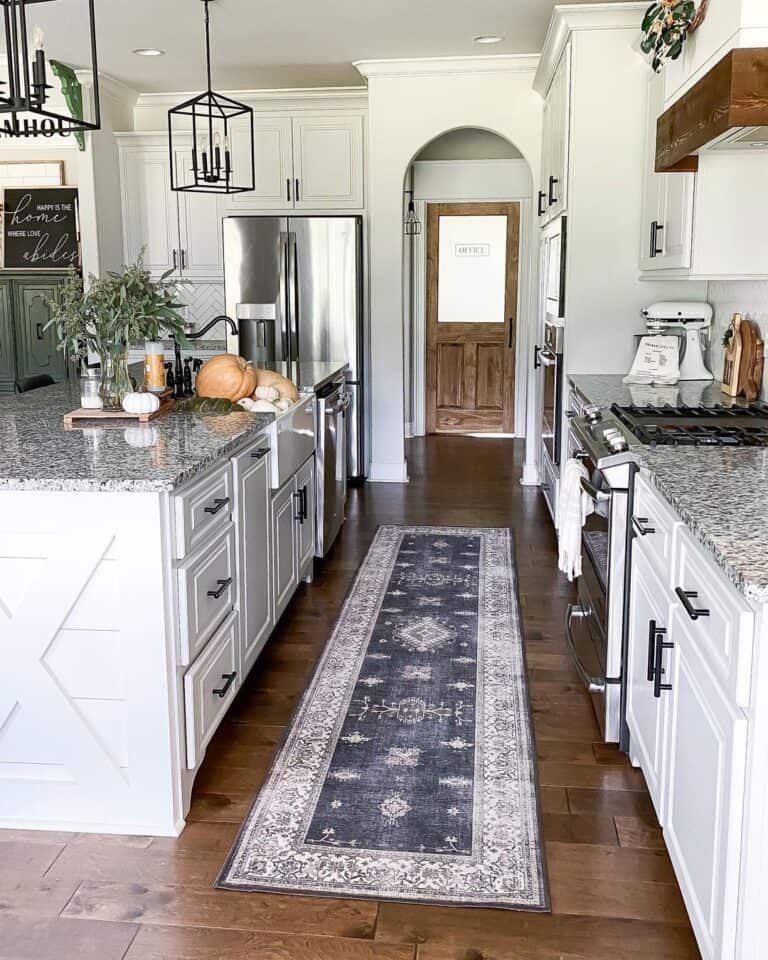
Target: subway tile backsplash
column 748, row 297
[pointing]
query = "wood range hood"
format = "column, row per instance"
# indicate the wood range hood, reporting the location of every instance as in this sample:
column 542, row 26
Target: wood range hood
column 726, row 110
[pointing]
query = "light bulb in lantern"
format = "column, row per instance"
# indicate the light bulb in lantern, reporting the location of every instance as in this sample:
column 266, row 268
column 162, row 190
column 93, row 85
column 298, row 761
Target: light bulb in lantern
column 38, row 38
column 38, row 64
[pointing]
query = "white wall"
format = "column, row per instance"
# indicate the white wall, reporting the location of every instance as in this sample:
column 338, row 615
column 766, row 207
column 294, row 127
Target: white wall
column 469, row 143
column 410, row 104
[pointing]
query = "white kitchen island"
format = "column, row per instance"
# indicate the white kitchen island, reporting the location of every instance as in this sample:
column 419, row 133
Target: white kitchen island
column 142, row 569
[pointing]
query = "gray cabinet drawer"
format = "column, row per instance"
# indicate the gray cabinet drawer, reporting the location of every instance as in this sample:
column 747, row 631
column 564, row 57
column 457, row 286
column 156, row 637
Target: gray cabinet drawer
column 206, row 591
column 202, row 509
column 210, row 686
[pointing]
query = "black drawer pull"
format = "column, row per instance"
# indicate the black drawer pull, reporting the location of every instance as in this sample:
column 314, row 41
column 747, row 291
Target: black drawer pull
column 230, row 678
column 553, row 182
column 220, row 502
column 260, row 453
column 658, row 667
column 542, row 199
column 223, row 584
column 639, row 523
column 685, row 597
column 652, row 631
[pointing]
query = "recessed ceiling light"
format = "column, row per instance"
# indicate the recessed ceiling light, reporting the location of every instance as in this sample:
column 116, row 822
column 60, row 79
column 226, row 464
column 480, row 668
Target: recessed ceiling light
column 149, row 52
column 489, row 38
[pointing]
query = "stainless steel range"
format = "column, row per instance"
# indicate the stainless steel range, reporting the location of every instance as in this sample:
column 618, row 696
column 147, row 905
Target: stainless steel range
column 597, row 625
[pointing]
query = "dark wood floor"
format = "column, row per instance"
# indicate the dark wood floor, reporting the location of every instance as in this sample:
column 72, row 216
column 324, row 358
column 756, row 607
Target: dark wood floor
column 614, row 894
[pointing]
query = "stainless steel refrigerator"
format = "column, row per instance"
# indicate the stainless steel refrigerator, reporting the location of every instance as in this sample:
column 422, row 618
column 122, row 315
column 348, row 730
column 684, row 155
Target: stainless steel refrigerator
column 294, row 286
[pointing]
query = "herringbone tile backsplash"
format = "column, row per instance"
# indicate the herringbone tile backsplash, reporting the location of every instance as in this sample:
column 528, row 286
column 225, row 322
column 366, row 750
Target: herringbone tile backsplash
column 204, row 301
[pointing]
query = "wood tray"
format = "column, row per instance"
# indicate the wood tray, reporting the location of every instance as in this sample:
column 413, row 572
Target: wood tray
column 166, row 402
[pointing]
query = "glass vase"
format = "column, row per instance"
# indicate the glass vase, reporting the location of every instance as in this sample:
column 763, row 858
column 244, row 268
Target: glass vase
column 115, row 380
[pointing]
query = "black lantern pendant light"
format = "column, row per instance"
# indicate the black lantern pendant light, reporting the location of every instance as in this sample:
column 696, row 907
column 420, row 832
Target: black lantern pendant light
column 25, row 109
column 211, row 118
column 411, row 223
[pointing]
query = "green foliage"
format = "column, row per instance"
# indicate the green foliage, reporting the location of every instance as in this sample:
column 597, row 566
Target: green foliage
column 665, row 27
column 115, row 310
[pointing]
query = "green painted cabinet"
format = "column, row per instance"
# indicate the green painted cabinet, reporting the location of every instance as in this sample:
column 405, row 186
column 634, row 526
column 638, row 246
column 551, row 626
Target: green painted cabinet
column 27, row 349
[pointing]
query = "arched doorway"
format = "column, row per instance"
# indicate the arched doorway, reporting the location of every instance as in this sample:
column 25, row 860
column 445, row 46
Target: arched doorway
column 464, row 275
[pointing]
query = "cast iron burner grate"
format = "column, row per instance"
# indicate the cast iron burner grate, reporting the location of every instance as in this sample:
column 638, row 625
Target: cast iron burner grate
column 715, row 426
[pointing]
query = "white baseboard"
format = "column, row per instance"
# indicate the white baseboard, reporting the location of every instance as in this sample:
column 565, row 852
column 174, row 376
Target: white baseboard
column 409, row 431
column 388, row 472
column 530, row 477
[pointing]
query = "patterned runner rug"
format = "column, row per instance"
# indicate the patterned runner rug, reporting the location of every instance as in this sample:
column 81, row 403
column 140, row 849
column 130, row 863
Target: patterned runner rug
column 408, row 770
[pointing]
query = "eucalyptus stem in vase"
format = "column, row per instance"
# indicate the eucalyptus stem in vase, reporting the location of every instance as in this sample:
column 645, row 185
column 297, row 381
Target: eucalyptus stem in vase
column 117, row 309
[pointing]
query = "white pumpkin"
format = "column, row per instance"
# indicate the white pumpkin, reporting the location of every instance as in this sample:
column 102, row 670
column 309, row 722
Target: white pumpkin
column 266, row 393
column 283, row 403
column 141, row 403
column 257, row 406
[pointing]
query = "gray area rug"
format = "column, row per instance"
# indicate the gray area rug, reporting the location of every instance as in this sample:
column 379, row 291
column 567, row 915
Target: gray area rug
column 408, row 770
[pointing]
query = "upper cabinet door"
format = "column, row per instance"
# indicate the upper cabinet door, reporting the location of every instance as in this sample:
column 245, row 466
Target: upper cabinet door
column 150, row 214
column 556, row 138
column 273, row 159
column 328, row 162
column 666, row 231
column 200, row 255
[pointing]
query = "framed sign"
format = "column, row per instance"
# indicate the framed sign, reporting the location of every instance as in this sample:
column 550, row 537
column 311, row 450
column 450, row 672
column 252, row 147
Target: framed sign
column 40, row 228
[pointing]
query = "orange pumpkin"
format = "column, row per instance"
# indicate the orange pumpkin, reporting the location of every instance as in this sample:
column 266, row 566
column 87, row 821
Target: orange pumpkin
column 286, row 387
column 227, row 376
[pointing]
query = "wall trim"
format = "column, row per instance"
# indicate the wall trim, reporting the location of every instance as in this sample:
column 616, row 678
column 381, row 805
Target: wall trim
column 380, row 472
column 166, row 100
column 568, row 19
column 447, row 66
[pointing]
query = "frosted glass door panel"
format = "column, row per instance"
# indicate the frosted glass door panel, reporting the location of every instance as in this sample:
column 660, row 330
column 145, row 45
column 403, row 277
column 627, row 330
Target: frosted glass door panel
column 472, row 270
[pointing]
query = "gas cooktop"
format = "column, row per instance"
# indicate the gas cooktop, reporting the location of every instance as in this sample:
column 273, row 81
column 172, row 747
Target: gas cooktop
column 715, row 426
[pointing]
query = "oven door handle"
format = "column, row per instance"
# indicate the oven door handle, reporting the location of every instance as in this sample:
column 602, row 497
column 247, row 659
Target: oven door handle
column 546, row 357
column 593, row 684
column 599, row 496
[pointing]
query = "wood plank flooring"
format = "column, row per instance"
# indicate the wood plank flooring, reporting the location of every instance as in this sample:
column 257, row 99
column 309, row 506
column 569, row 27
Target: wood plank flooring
column 80, row 897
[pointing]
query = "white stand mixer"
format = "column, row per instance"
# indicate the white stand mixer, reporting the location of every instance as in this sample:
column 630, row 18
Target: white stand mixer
column 690, row 320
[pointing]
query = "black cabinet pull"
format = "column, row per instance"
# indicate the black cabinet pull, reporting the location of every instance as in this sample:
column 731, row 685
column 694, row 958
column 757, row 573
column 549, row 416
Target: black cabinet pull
column 288, row 189
column 536, row 361
column 183, row 259
column 230, row 678
column 542, row 198
column 298, row 515
column 259, row 453
column 223, row 584
column 175, row 260
column 304, row 503
column 658, row 666
column 639, row 524
column 296, row 182
column 553, row 182
column 652, row 631
column 685, row 597
column 220, row 502
column 656, row 229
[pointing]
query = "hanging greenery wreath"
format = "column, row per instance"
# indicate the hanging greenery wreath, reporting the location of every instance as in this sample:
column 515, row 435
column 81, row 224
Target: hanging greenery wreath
column 667, row 25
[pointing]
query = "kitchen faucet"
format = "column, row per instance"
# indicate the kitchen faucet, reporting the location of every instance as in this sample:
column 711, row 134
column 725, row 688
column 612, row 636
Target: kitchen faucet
column 178, row 366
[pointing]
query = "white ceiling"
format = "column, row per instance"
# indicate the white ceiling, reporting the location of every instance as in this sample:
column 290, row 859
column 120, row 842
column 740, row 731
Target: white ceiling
column 284, row 43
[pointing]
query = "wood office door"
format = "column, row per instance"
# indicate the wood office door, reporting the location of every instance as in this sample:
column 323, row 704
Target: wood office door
column 472, row 278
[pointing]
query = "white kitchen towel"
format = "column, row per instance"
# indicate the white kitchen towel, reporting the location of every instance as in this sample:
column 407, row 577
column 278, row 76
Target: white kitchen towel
column 574, row 506
column 657, row 361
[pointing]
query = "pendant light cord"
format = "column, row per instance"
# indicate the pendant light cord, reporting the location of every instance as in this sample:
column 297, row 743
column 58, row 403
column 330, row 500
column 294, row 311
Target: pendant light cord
column 208, row 45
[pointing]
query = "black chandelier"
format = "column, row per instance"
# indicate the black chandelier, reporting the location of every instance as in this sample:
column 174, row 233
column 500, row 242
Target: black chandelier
column 213, row 118
column 25, row 109
column 411, row 223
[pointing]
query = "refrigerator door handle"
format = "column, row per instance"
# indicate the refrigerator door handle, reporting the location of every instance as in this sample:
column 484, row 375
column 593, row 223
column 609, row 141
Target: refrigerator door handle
column 284, row 297
column 293, row 299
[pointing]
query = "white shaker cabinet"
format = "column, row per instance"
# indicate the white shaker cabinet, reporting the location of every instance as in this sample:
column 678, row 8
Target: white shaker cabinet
column 666, row 232
column 328, row 162
column 305, row 489
column 150, row 214
column 553, row 189
column 706, row 749
column 273, row 163
column 254, row 539
column 647, row 704
column 293, row 534
column 179, row 231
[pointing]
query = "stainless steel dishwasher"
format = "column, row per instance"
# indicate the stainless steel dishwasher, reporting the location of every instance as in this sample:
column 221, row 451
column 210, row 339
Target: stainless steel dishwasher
column 331, row 453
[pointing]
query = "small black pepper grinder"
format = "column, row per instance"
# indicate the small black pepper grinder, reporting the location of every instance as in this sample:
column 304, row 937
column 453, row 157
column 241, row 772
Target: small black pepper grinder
column 196, row 364
column 170, row 380
column 188, row 377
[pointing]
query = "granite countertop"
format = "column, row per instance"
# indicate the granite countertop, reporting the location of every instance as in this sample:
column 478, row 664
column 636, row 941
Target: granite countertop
column 37, row 452
column 720, row 494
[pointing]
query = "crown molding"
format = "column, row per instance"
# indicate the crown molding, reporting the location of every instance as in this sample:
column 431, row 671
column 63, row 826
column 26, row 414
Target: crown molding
column 447, row 66
column 571, row 18
column 167, row 100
